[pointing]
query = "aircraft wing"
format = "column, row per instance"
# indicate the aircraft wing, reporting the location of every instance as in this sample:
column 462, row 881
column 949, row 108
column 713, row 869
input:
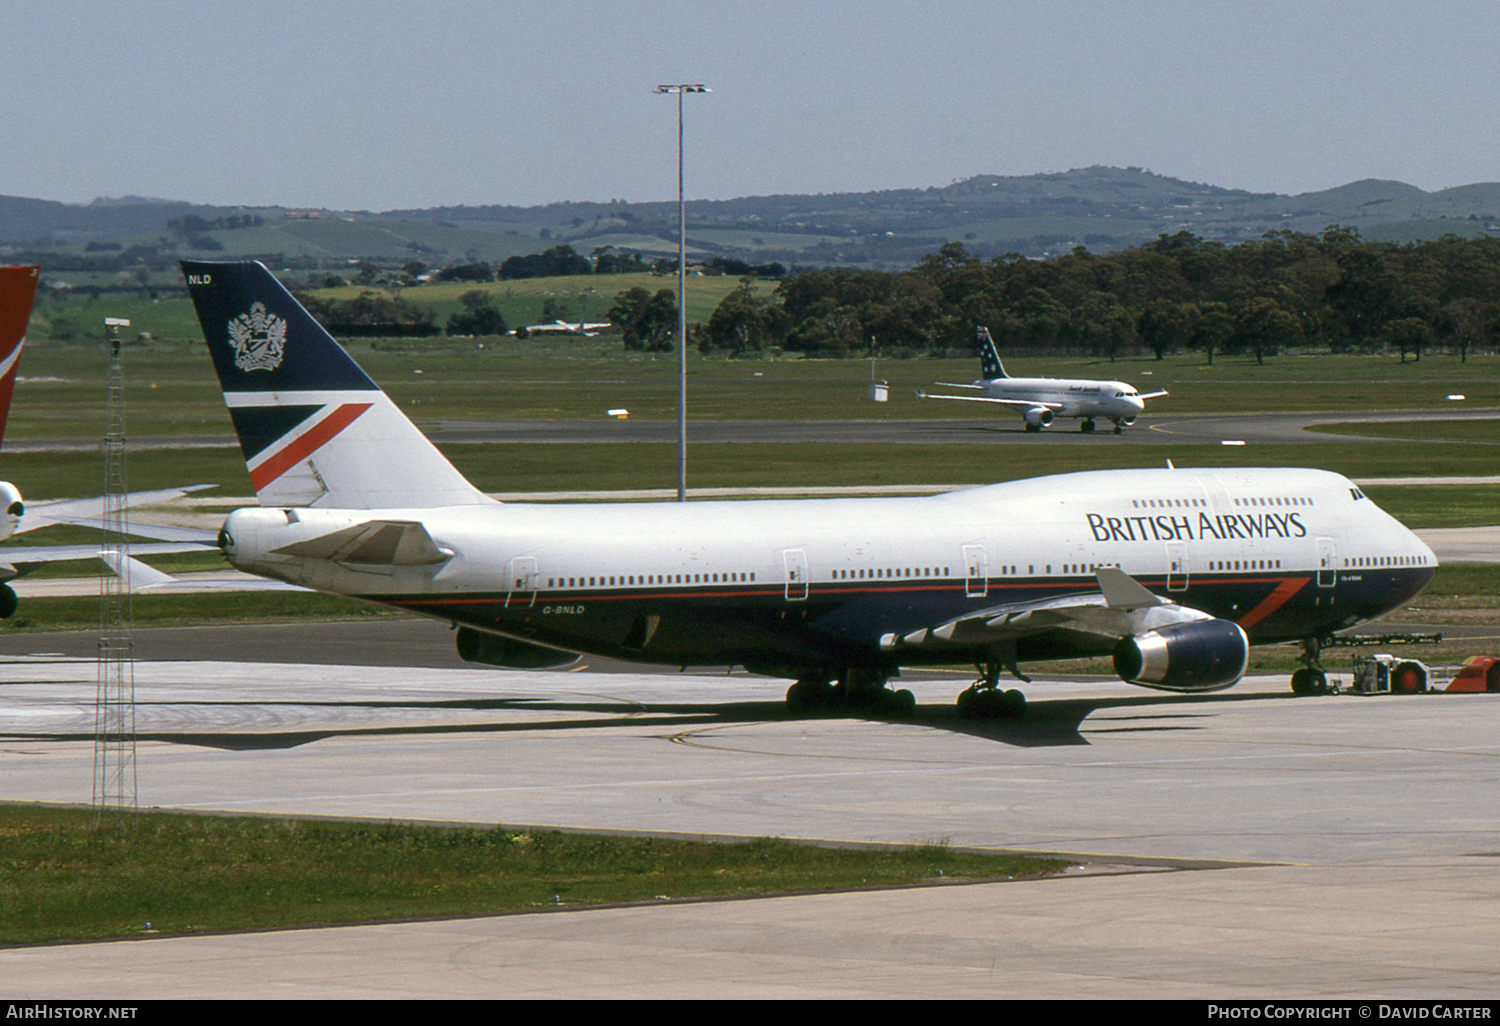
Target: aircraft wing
column 16, row 560
column 192, row 536
column 90, row 512
column 1028, row 404
column 1121, row 608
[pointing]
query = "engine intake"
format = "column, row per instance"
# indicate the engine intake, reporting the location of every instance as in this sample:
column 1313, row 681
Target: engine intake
column 1038, row 416
column 1204, row 655
column 493, row 650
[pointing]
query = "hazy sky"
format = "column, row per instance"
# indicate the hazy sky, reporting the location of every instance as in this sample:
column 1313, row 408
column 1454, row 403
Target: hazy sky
column 379, row 104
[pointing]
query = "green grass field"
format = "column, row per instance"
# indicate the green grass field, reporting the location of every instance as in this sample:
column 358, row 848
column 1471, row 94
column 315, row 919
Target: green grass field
column 158, row 874
column 171, row 388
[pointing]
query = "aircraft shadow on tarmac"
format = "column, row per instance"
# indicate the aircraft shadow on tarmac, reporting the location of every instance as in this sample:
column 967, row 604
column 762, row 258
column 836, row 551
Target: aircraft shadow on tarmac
column 1047, row 723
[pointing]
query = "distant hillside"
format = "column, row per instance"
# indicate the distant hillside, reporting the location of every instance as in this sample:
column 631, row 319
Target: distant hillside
column 1101, row 208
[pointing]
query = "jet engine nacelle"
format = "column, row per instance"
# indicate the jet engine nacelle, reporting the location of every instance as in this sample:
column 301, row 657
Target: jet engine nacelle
column 12, row 508
column 1202, row 655
column 491, row 649
column 1124, row 421
column 1038, row 417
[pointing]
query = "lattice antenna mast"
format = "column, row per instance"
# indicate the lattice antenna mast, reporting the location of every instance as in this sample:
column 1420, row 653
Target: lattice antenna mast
column 114, row 714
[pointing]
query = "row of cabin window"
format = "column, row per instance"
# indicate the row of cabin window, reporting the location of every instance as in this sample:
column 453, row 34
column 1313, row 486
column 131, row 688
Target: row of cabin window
column 1366, row 561
column 630, row 579
column 861, row 575
column 1179, row 503
column 1244, row 564
column 1277, row 501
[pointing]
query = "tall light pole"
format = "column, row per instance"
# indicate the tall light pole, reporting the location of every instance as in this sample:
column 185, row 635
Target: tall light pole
column 681, row 293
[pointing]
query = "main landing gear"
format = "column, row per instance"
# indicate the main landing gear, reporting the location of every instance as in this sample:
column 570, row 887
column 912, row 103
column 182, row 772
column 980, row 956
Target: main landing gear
column 857, row 691
column 985, row 701
column 1312, row 679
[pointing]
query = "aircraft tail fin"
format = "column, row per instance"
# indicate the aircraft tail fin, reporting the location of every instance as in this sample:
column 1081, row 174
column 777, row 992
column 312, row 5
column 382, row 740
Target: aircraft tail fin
column 990, row 367
column 17, row 291
column 313, row 427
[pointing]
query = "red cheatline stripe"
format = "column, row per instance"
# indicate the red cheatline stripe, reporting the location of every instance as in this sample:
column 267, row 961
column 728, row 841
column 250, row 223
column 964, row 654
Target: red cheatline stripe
column 1288, row 587
column 310, row 442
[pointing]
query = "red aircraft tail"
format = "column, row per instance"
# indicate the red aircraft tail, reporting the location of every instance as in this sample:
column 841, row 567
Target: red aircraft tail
column 17, row 290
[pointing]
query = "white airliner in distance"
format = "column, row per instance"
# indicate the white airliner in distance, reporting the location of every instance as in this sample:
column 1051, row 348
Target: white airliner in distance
column 1042, row 400
column 17, row 292
column 1174, row 572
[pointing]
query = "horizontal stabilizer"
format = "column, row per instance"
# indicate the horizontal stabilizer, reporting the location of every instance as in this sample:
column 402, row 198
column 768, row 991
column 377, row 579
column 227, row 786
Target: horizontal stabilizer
column 138, row 577
column 373, row 543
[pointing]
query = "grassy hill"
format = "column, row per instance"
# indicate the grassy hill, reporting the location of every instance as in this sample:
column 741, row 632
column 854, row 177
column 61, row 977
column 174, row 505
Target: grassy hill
column 1104, row 208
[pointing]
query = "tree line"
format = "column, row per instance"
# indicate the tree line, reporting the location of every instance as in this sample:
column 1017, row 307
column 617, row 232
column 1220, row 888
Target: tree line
column 1177, row 293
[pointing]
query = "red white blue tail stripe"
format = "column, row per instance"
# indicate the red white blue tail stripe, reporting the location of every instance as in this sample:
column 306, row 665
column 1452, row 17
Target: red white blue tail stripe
column 313, row 428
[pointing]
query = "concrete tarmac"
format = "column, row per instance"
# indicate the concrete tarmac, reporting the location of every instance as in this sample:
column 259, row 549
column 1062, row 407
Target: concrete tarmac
column 1247, row 844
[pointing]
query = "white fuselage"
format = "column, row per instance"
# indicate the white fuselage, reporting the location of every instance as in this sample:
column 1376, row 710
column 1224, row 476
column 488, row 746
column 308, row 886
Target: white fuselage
column 1066, row 397
column 1285, row 553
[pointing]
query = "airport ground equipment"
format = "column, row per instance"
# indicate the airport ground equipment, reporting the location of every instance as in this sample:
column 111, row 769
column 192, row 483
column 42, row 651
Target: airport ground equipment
column 1383, row 673
column 1478, row 674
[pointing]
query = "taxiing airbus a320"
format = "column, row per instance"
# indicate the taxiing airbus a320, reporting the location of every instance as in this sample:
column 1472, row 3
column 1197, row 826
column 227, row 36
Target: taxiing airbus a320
column 1040, row 401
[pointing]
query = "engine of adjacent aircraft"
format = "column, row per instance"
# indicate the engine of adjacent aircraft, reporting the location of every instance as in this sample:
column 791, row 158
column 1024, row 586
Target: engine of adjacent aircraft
column 12, row 508
column 1201, row 655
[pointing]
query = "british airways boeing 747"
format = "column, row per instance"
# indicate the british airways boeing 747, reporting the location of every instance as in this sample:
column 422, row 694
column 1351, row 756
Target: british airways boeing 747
column 1173, row 572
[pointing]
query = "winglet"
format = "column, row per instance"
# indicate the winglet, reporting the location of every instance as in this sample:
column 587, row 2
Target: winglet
column 1121, row 591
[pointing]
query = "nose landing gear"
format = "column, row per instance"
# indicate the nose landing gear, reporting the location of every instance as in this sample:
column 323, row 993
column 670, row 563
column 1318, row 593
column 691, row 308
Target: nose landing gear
column 1312, row 679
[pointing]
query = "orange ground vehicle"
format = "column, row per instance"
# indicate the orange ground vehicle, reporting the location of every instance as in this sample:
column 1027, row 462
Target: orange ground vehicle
column 1479, row 673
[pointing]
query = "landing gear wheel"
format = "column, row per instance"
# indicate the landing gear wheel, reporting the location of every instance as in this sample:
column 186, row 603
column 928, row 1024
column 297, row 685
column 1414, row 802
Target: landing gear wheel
column 1086, row 426
column 8, row 602
column 809, row 696
column 1012, row 705
column 901, row 703
column 1033, row 428
column 1307, row 681
column 991, row 704
column 1119, row 430
column 1312, row 679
